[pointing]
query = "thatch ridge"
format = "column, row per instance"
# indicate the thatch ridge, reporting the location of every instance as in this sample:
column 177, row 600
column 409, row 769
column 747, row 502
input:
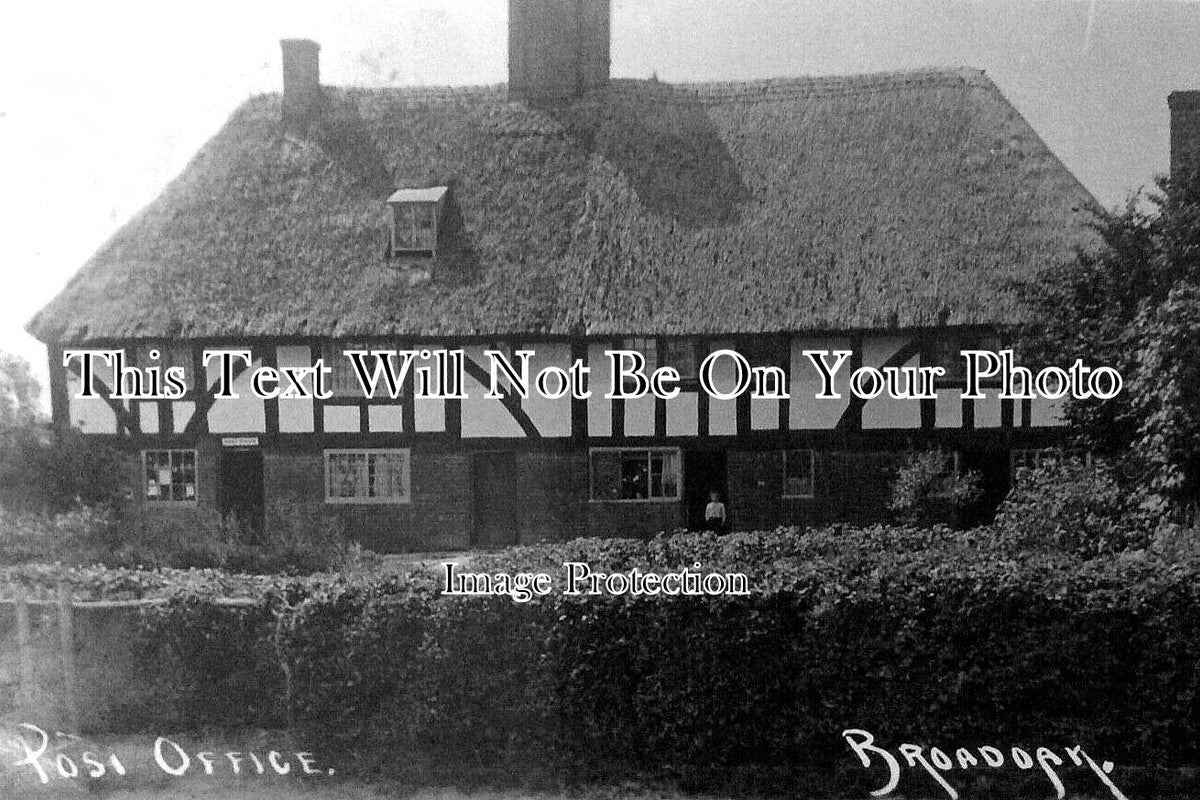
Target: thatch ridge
column 898, row 199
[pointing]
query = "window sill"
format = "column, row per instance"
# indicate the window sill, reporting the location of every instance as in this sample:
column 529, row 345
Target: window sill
column 366, row 501
column 634, row 501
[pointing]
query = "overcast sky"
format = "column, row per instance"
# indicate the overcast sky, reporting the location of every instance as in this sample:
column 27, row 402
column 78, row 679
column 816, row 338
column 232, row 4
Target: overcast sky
column 102, row 103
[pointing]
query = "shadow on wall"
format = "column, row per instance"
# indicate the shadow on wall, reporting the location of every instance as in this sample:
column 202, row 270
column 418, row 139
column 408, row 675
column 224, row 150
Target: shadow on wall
column 664, row 142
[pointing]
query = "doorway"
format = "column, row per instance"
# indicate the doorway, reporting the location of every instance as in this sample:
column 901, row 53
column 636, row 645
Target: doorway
column 240, row 493
column 497, row 505
column 704, row 471
column 995, row 469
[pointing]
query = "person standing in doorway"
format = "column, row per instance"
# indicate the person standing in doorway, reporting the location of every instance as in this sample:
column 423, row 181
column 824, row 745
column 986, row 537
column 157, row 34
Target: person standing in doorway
column 714, row 513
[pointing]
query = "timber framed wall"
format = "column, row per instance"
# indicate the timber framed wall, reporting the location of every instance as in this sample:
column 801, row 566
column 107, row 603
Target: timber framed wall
column 545, row 493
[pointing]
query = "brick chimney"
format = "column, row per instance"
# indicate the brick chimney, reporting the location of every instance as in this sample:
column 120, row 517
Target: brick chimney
column 1185, row 132
column 557, row 49
column 301, row 84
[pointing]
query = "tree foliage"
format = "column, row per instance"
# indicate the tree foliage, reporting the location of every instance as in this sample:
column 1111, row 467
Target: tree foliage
column 928, row 483
column 1134, row 304
column 20, row 393
column 42, row 471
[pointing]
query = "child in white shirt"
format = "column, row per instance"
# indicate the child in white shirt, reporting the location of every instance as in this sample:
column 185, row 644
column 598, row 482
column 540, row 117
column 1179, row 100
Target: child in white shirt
column 714, row 513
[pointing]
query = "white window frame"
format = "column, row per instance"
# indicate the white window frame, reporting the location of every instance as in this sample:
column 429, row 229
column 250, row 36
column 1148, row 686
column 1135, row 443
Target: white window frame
column 676, row 451
column 1036, row 456
column 390, row 500
column 416, row 207
column 812, row 474
column 171, row 451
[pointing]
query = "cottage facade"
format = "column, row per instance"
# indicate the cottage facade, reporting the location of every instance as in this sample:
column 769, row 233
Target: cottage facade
column 569, row 214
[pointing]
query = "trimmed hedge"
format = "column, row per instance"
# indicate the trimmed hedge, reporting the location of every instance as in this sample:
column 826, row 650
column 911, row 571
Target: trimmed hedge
column 914, row 636
column 919, row 636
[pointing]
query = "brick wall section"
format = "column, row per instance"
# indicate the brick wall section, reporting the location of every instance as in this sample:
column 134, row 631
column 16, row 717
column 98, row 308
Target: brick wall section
column 755, row 481
column 855, row 487
column 847, row 486
column 437, row 518
column 553, row 488
column 637, row 520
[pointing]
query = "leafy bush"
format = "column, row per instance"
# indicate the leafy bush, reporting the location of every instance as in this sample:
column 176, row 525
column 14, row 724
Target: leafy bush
column 904, row 632
column 295, row 541
column 83, row 533
column 1132, row 305
column 968, row 637
column 41, row 472
column 908, row 633
column 1068, row 504
column 927, row 486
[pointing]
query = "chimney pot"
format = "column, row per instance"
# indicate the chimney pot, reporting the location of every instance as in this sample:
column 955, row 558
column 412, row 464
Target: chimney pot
column 301, row 83
column 1185, row 133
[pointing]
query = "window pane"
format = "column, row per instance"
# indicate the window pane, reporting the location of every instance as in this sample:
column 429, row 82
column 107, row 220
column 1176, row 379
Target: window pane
column 649, row 351
column 402, row 227
column 414, row 226
column 343, row 380
column 635, row 476
column 367, row 475
column 798, row 473
column 387, row 475
column 656, row 475
column 170, row 475
column 1030, row 458
column 646, row 347
column 343, row 475
column 425, row 227
column 680, row 354
column 606, row 475
column 670, row 474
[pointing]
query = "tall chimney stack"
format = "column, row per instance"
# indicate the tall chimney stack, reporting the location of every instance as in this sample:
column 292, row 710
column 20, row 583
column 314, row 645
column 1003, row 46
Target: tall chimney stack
column 301, row 84
column 1185, row 133
column 557, row 49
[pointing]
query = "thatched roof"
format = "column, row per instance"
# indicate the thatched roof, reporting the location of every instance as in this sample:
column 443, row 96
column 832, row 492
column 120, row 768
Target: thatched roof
column 825, row 203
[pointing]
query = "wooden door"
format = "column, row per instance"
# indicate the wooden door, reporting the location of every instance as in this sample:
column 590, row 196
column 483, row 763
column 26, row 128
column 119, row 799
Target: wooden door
column 498, row 499
column 241, row 489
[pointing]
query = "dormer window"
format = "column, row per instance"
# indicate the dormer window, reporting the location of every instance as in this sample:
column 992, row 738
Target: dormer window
column 415, row 216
